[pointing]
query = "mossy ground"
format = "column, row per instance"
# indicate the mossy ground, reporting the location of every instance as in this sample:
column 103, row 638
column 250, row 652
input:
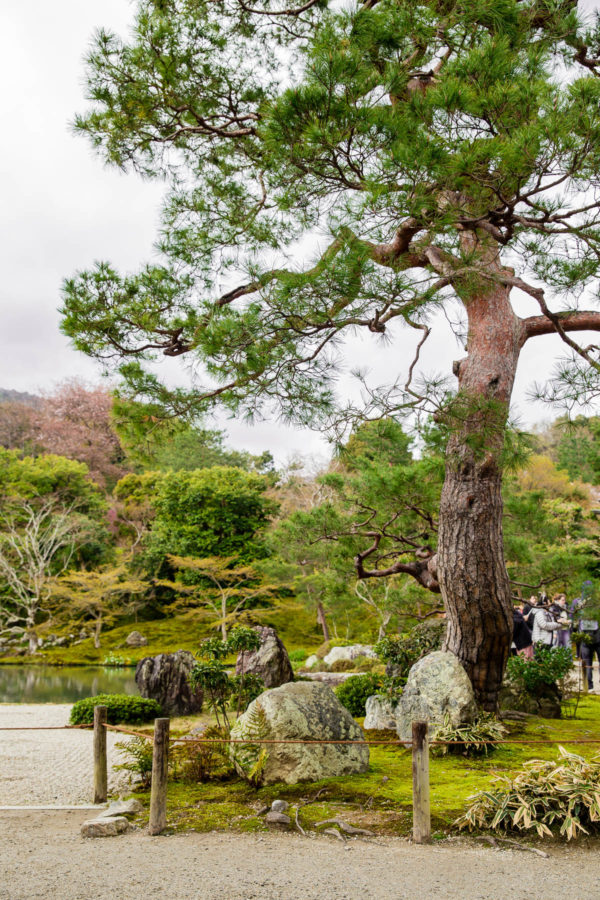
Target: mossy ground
column 379, row 800
column 294, row 624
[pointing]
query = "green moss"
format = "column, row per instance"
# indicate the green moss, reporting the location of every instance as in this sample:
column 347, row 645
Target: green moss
column 381, row 798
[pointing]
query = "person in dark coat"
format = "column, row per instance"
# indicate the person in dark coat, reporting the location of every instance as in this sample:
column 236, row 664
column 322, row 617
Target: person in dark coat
column 521, row 635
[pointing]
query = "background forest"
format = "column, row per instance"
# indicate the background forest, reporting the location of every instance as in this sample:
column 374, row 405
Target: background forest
column 110, row 517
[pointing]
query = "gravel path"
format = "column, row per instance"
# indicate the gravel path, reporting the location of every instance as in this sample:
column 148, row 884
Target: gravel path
column 43, row 856
column 52, row 768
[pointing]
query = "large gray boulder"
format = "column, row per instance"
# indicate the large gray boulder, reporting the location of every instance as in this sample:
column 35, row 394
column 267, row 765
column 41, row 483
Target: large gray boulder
column 271, row 661
column 298, row 711
column 166, row 678
column 379, row 714
column 437, row 687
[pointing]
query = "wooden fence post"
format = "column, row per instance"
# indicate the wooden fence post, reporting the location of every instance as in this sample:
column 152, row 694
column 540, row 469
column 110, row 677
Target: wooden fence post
column 158, row 793
column 100, row 760
column 420, row 773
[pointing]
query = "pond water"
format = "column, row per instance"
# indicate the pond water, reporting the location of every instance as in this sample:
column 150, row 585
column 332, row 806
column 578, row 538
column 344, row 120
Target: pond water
column 62, row 684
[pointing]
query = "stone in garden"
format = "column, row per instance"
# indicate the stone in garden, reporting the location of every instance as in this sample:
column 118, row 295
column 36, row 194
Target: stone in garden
column 121, row 808
column 135, row 639
column 380, row 714
column 299, row 711
column 351, row 652
column 165, row 678
column 311, row 661
column 544, row 702
column 277, row 818
column 437, row 687
column 105, row 827
column 270, row 662
column 279, row 806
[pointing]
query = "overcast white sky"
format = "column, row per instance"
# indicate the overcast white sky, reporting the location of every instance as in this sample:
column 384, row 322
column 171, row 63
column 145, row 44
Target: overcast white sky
column 62, row 209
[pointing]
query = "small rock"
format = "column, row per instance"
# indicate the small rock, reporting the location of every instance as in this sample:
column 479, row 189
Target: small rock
column 277, row 818
column 122, row 808
column 105, row 827
column 136, row 639
column 380, row 714
column 279, row 806
column 351, row 652
column 311, row 661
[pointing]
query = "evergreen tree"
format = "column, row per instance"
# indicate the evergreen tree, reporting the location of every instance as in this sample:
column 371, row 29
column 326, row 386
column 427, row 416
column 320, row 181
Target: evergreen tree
column 449, row 148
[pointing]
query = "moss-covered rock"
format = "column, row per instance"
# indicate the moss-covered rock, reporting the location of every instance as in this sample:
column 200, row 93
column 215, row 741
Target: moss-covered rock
column 293, row 712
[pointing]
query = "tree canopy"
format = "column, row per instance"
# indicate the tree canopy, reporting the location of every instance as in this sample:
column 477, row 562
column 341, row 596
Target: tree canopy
column 395, row 127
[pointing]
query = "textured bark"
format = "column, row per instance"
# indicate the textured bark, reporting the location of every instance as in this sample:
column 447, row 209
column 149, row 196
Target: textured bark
column 321, row 619
column 471, row 569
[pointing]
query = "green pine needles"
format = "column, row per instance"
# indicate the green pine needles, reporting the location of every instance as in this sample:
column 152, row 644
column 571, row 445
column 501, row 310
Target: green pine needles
column 385, row 132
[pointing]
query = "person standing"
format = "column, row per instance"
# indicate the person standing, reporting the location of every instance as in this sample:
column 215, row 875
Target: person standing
column 544, row 626
column 558, row 608
column 521, row 634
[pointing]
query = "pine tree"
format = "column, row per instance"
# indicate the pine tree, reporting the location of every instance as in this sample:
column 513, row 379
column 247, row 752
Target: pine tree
column 449, row 148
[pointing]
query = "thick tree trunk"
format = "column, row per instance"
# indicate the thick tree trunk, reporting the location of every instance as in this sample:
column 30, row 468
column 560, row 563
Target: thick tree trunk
column 470, row 558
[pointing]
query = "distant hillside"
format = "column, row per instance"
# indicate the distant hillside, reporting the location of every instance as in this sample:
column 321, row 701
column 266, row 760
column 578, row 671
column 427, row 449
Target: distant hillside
column 8, row 396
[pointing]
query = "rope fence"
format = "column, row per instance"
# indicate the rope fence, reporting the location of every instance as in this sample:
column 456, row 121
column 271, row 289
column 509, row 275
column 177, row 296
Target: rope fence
column 419, row 745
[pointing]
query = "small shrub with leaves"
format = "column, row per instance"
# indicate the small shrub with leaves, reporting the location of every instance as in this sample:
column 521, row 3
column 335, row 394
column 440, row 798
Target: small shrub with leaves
column 195, row 762
column 354, row 692
column 210, row 674
column 561, row 795
column 115, row 661
column 402, row 652
column 122, row 709
column 549, row 665
column 342, row 665
column 477, row 736
column 244, row 689
column 297, row 656
column 137, row 753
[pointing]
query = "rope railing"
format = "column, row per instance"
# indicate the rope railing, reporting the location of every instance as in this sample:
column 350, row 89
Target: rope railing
column 160, row 740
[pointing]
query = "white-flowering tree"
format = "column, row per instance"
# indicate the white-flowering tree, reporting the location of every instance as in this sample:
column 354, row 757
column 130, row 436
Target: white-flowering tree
column 37, row 542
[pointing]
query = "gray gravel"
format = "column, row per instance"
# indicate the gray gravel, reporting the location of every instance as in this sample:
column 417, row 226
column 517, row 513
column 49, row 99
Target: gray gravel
column 43, row 856
column 49, row 767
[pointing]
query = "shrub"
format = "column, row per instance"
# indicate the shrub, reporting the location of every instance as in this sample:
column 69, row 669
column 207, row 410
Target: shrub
column 476, row 735
column 121, row 709
column 541, row 796
column 244, row 689
column 191, row 761
column 547, row 668
column 342, row 665
column 210, row 674
column 402, row 652
column 353, row 693
column 298, row 655
column 366, row 664
column 138, row 759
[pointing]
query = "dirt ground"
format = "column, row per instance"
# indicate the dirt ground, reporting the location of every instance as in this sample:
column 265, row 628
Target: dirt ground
column 43, row 856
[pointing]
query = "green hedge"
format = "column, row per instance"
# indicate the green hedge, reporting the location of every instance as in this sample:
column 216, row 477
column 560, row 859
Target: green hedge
column 120, row 709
